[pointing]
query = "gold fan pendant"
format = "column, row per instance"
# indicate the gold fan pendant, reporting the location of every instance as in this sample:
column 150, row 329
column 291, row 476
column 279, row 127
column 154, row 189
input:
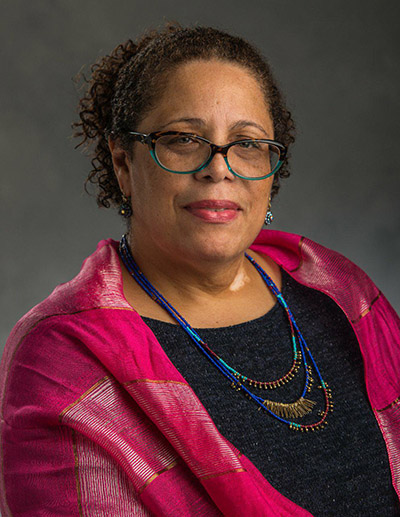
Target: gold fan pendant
column 295, row 409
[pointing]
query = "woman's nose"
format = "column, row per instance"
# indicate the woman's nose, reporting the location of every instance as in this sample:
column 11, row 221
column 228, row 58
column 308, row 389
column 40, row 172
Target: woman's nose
column 217, row 170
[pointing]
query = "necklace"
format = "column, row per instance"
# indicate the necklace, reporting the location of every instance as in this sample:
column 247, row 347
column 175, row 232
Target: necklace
column 282, row 411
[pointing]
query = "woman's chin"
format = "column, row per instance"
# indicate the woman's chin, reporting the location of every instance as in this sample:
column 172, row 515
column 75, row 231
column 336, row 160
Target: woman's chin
column 216, row 248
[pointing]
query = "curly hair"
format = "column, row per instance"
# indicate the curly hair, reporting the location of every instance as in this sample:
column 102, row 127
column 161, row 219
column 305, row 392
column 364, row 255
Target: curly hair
column 125, row 84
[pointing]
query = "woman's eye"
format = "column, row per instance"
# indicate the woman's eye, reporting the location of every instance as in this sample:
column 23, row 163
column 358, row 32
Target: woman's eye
column 176, row 141
column 184, row 140
column 249, row 145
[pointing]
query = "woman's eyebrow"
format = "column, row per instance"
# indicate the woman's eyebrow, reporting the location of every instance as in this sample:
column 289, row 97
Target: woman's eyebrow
column 198, row 122
column 240, row 124
column 189, row 120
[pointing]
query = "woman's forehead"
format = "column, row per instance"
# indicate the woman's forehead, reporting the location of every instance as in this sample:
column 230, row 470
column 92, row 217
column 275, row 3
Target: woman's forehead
column 203, row 92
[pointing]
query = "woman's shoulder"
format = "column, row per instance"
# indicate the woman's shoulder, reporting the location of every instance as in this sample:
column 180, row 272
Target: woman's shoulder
column 57, row 340
column 321, row 268
column 61, row 316
column 97, row 285
column 295, row 252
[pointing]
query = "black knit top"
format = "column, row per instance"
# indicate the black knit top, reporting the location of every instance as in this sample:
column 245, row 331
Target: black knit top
column 340, row 470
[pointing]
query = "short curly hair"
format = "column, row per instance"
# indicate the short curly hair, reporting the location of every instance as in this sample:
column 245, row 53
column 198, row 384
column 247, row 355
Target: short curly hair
column 124, row 86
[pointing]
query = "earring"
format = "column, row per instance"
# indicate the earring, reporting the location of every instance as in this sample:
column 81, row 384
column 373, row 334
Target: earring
column 125, row 208
column 268, row 216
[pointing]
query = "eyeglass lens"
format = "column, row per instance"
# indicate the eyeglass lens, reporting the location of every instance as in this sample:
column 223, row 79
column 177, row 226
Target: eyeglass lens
column 184, row 154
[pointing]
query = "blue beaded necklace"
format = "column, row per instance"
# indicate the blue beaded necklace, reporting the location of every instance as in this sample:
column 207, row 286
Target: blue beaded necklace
column 282, row 411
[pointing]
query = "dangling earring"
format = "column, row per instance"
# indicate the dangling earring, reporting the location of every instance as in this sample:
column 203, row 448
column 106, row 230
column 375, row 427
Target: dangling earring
column 268, row 216
column 125, row 208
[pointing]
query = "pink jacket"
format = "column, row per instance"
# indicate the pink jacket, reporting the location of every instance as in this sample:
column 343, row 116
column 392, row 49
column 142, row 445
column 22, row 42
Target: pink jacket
column 96, row 420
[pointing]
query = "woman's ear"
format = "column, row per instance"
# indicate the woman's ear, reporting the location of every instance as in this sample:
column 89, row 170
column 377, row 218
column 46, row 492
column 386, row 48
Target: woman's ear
column 121, row 164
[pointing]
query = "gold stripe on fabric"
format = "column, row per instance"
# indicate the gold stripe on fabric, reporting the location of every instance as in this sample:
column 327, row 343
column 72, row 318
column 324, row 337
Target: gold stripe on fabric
column 301, row 256
column 366, row 311
column 40, row 321
column 210, row 476
column 396, row 401
column 161, row 400
column 154, row 381
column 76, row 469
column 104, row 414
column 156, row 474
column 98, row 383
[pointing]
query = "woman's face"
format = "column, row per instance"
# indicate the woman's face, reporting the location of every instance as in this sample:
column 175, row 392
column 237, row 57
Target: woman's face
column 211, row 214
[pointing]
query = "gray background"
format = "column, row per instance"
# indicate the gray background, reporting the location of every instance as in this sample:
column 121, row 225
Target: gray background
column 337, row 62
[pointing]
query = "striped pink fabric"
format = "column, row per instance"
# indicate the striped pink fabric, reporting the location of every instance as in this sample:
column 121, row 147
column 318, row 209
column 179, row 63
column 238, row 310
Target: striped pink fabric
column 96, row 420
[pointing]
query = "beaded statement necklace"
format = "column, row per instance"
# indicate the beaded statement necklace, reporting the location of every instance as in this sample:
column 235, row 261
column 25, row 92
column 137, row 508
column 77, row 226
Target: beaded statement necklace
column 282, row 411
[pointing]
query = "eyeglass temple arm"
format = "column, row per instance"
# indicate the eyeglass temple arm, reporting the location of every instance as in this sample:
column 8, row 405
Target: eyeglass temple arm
column 136, row 136
column 143, row 138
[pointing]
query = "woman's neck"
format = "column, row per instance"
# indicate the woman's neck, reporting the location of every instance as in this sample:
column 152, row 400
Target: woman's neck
column 193, row 276
column 207, row 293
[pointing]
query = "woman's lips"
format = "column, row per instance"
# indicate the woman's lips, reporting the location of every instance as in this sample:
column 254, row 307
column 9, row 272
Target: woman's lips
column 214, row 210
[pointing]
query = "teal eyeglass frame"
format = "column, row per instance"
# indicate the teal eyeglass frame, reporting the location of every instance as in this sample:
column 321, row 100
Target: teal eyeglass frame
column 150, row 140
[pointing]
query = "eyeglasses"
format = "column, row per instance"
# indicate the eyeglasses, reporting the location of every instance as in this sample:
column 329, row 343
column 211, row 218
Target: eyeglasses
column 185, row 153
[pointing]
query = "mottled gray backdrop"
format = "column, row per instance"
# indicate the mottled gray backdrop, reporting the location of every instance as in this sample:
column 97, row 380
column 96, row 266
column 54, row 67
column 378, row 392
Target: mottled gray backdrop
column 337, row 61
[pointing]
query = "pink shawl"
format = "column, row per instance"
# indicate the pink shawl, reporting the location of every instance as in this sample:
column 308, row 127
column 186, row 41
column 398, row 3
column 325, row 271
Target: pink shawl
column 96, row 420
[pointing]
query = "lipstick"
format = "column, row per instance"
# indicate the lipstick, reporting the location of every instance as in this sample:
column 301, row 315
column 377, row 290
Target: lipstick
column 214, row 210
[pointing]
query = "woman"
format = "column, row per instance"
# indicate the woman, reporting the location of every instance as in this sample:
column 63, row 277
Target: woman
column 117, row 391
